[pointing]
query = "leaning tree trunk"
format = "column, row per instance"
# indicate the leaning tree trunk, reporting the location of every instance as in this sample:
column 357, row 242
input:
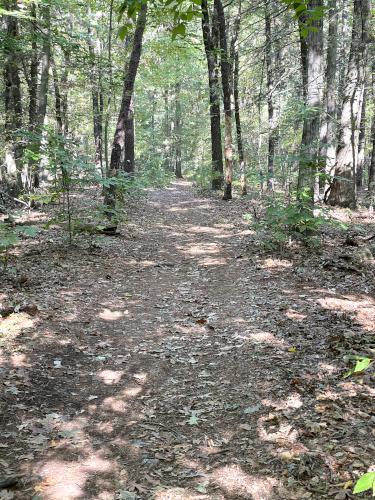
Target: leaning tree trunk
column 210, row 38
column 118, row 144
column 311, row 125
column 225, row 66
column 343, row 190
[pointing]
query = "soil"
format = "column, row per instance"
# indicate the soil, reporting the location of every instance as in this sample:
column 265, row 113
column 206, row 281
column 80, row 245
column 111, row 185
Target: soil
column 180, row 361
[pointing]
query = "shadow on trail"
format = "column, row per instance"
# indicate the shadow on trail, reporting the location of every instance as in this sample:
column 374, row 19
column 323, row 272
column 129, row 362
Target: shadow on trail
column 171, row 366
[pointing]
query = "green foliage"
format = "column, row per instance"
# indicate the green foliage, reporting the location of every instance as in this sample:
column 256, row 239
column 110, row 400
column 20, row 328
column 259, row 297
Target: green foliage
column 362, row 363
column 305, row 15
column 283, row 222
column 365, row 483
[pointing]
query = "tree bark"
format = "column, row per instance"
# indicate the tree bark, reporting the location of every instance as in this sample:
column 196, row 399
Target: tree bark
column 110, row 90
column 210, row 39
column 128, row 88
column 12, row 175
column 33, row 75
column 311, row 125
column 226, row 71
column 42, row 91
column 343, row 190
column 129, row 153
column 237, row 114
column 97, row 97
column 167, row 130
column 361, row 145
column 177, row 132
column 304, row 56
column 272, row 137
column 328, row 135
column 58, row 99
column 371, row 170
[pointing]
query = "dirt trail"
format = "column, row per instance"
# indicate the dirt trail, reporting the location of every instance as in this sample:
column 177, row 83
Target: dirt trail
column 176, row 364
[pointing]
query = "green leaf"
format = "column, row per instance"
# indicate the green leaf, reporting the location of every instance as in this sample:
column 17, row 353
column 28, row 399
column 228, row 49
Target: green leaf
column 202, row 487
column 361, row 365
column 365, row 482
column 193, row 420
column 180, row 29
column 122, row 32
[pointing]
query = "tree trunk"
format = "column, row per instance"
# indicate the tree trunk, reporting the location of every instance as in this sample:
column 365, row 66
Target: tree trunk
column 311, row 125
column 118, row 144
column 110, row 90
column 342, row 61
column 226, row 71
column 371, row 169
column 361, row 144
column 210, row 38
column 42, row 91
column 13, row 105
column 129, row 153
column 97, row 112
column 167, row 133
column 343, row 190
column 328, row 135
column 64, row 91
column 58, row 99
column 272, row 138
column 33, row 75
column 177, row 132
column 304, row 56
column 237, row 114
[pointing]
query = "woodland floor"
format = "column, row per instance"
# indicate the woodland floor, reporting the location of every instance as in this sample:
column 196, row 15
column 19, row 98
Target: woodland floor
column 179, row 362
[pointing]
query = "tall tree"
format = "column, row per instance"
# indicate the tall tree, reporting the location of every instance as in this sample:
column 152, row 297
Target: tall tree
column 371, row 170
column 343, row 189
column 226, row 71
column 118, row 144
column 235, row 60
column 328, row 135
column 270, row 97
column 210, row 39
column 309, row 150
column 361, row 157
column 177, row 131
column 42, row 90
column 97, row 100
column 129, row 147
column 13, row 103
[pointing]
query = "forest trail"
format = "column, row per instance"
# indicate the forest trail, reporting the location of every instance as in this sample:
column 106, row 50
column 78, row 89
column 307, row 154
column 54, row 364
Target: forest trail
column 175, row 363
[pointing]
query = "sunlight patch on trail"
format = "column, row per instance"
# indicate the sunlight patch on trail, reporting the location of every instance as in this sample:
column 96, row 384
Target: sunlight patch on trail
column 234, row 481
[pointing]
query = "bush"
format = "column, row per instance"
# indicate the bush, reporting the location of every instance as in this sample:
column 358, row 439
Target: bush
column 281, row 223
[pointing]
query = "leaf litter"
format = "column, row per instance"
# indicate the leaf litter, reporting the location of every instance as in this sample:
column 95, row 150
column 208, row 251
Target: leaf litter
column 190, row 372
